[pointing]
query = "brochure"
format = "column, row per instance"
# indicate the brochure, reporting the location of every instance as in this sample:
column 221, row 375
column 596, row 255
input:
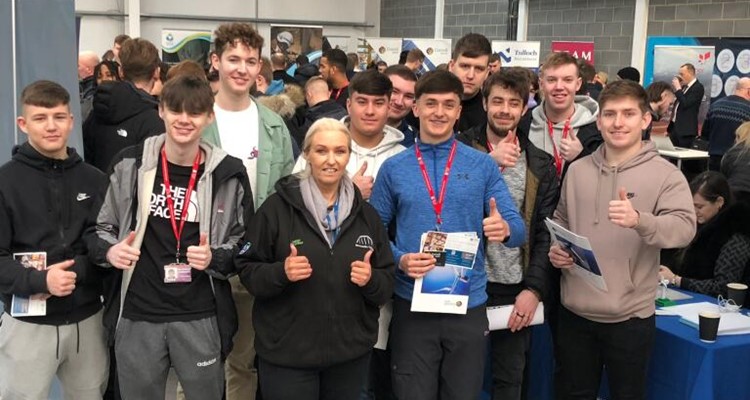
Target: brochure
column 580, row 249
column 35, row 305
column 445, row 289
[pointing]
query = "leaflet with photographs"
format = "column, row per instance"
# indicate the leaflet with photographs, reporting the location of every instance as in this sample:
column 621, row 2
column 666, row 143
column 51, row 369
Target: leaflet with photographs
column 35, row 305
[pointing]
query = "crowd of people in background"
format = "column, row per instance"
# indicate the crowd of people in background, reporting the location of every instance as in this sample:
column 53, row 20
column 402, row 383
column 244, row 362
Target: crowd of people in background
column 258, row 231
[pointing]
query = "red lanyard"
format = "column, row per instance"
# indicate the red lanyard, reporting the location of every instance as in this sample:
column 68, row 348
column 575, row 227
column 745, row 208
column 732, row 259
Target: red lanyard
column 186, row 203
column 491, row 148
column 558, row 158
column 437, row 203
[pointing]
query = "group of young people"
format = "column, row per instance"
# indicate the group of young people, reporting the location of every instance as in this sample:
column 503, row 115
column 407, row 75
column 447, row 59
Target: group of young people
column 213, row 257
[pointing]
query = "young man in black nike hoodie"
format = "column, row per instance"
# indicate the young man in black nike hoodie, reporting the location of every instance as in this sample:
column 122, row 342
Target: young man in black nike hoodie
column 124, row 113
column 46, row 193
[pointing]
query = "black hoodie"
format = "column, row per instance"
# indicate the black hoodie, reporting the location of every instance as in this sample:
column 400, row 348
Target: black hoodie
column 123, row 116
column 45, row 205
column 325, row 319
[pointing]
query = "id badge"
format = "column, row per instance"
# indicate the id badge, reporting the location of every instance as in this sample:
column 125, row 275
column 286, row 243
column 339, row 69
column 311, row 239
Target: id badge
column 177, row 273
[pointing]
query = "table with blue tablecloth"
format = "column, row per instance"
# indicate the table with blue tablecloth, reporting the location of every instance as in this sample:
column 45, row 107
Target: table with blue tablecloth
column 682, row 367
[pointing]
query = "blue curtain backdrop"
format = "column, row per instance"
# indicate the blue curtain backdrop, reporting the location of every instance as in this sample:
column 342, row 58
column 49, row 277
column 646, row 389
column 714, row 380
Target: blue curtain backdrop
column 45, row 49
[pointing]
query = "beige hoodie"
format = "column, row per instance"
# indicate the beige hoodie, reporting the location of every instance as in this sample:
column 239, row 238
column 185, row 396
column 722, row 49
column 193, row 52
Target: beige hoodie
column 628, row 258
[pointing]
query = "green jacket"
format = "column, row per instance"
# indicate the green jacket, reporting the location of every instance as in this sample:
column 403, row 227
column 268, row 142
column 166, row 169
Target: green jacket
column 275, row 158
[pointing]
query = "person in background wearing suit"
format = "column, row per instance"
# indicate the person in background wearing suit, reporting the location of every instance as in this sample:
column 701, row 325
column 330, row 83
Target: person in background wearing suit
column 689, row 93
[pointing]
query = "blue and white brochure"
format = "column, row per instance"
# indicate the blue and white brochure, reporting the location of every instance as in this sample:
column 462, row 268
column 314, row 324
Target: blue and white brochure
column 445, row 289
column 34, row 305
column 580, row 249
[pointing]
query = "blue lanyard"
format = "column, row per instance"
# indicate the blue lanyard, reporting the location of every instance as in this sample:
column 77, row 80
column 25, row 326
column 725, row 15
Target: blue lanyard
column 335, row 232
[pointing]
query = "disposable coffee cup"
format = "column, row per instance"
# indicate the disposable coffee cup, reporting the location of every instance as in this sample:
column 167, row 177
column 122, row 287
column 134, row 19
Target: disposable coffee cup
column 736, row 292
column 708, row 322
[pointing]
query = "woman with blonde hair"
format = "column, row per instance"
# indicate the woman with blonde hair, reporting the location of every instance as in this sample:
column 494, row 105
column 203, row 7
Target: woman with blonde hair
column 735, row 165
column 319, row 263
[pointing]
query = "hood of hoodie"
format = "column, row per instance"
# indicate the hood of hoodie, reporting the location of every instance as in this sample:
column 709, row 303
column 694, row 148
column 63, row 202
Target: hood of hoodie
column 376, row 156
column 28, row 155
column 117, row 101
column 586, row 110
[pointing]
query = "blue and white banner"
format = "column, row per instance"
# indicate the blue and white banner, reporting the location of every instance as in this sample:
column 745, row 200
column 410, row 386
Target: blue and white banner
column 436, row 51
column 375, row 49
column 517, row 54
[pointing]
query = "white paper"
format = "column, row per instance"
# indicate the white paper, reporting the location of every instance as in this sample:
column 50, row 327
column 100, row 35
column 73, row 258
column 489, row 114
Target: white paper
column 580, row 249
column 33, row 306
column 384, row 322
column 445, row 289
column 729, row 324
column 498, row 316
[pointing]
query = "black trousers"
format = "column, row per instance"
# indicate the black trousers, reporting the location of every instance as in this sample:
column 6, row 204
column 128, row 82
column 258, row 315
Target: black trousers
column 338, row 382
column 509, row 352
column 437, row 356
column 585, row 347
column 378, row 385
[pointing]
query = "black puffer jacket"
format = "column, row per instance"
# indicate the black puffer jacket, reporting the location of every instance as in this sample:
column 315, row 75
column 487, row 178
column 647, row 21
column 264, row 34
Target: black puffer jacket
column 123, row 116
column 326, row 319
column 45, row 205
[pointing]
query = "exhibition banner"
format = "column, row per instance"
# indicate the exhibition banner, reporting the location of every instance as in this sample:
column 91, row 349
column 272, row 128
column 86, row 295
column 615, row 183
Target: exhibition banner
column 372, row 50
column 517, row 54
column 667, row 62
column 436, row 51
column 178, row 45
column 583, row 50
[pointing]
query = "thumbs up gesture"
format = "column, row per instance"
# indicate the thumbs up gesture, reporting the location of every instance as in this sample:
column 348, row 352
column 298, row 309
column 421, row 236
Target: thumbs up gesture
column 507, row 151
column 296, row 267
column 362, row 270
column 60, row 281
column 495, row 227
column 570, row 147
column 621, row 211
column 364, row 183
column 123, row 255
column 199, row 257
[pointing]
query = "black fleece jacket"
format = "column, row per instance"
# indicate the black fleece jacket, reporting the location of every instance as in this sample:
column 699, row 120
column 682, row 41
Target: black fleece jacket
column 325, row 319
column 122, row 116
column 45, row 205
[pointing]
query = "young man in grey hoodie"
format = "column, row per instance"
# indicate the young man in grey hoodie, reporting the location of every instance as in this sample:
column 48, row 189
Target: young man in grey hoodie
column 372, row 140
column 630, row 203
column 563, row 125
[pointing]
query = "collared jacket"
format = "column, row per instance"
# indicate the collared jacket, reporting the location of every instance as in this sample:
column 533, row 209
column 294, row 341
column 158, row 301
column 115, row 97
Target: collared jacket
column 45, row 206
column 325, row 319
column 275, row 160
column 540, row 199
column 226, row 208
column 628, row 258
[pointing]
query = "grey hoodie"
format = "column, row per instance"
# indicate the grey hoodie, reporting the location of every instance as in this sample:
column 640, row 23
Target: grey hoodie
column 375, row 157
column 628, row 258
column 582, row 124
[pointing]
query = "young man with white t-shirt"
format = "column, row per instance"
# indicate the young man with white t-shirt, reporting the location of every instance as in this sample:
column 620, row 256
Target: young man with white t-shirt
column 258, row 137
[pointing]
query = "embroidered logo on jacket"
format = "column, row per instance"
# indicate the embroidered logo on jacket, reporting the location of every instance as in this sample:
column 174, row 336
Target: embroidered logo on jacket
column 122, row 132
column 364, row 242
column 82, row 197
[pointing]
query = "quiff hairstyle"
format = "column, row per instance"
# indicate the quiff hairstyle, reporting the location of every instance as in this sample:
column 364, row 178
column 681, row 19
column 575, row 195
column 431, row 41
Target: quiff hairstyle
column 515, row 79
column 234, row 33
column 625, row 89
column 187, row 93
column 558, row 59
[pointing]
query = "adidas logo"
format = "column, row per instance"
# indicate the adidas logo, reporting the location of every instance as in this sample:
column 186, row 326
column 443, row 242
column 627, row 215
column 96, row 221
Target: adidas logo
column 364, row 242
column 207, row 362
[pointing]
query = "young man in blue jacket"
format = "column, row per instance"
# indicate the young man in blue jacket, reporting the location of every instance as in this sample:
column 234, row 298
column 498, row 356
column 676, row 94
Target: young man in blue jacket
column 46, row 193
column 441, row 356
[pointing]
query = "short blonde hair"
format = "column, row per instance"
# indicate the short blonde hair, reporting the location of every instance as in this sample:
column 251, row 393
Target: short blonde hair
column 321, row 125
column 603, row 77
column 743, row 135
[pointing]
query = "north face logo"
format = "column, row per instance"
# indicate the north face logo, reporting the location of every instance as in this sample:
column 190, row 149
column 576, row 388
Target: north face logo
column 364, row 242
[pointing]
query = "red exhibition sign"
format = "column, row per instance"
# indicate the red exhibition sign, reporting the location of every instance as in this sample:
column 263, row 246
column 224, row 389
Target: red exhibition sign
column 584, row 50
